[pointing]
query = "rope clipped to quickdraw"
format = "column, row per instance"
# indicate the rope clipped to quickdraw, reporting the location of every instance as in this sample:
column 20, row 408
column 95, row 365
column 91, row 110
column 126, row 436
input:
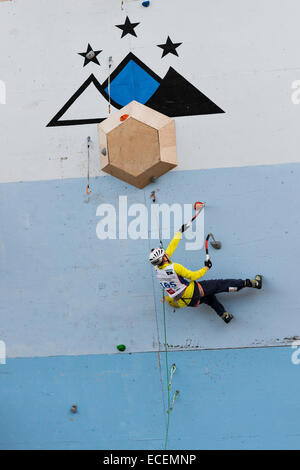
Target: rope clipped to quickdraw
column 108, row 87
column 88, row 191
column 198, row 206
column 173, row 368
column 173, row 401
column 153, row 197
column 163, row 301
column 167, row 369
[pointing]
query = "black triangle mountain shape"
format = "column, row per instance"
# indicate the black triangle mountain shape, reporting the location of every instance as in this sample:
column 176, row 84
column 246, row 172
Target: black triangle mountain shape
column 178, row 97
column 56, row 121
column 174, row 97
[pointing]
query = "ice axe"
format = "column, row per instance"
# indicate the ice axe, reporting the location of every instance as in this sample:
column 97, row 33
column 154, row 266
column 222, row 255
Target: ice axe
column 198, row 206
column 214, row 243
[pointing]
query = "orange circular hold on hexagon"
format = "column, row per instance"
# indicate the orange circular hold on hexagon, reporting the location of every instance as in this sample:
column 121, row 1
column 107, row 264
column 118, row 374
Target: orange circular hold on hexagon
column 124, row 117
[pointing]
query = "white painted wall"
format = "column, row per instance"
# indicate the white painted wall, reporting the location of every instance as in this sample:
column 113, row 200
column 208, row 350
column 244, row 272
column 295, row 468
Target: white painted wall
column 242, row 55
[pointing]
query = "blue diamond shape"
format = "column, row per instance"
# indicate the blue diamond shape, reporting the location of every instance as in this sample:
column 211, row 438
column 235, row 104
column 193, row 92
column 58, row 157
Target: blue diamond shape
column 132, row 83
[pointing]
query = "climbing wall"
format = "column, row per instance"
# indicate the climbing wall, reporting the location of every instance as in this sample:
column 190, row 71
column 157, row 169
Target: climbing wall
column 69, row 297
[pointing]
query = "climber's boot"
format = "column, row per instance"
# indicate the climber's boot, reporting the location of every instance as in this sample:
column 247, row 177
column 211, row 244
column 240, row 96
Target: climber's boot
column 256, row 283
column 227, row 317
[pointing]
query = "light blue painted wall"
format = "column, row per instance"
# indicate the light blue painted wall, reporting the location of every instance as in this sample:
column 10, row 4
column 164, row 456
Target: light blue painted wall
column 229, row 399
column 66, row 292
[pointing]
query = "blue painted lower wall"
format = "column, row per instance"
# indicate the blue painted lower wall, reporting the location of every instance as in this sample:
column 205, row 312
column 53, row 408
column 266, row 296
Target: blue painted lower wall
column 229, row 399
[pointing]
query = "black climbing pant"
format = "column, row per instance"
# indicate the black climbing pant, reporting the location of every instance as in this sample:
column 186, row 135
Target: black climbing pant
column 204, row 292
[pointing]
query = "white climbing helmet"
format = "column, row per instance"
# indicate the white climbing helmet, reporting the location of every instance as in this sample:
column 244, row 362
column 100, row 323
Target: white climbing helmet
column 156, row 256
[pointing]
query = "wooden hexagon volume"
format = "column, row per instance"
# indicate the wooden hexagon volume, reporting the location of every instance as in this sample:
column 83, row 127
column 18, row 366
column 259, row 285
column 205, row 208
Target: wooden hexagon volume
column 137, row 144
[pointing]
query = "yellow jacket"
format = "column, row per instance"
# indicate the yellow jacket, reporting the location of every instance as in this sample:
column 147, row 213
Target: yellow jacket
column 184, row 272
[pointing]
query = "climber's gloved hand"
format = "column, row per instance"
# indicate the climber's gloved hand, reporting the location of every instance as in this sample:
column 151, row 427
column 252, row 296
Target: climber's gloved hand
column 208, row 263
column 183, row 228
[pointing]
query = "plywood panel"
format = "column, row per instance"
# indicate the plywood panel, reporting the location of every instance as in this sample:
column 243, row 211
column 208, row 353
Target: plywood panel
column 142, row 146
column 133, row 147
column 167, row 143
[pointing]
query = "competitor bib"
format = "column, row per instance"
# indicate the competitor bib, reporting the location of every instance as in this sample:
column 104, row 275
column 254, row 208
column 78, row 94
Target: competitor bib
column 170, row 281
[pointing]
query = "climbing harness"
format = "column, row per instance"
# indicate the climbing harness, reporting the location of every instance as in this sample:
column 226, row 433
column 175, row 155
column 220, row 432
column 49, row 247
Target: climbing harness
column 217, row 246
column 88, row 191
column 109, row 72
column 198, row 206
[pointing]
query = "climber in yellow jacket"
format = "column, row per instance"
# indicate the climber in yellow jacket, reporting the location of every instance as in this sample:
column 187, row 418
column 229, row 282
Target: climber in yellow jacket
column 181, row 284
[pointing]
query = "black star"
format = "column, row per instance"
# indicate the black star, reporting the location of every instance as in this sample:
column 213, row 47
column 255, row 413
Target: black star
column 127, row 27
column 169, row 47
column 90, row 56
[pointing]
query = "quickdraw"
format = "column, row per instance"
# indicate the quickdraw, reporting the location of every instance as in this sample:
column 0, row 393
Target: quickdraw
column 88, row 191
column 173, row 368
column 173, row 401
column 109, row 72
column 152, row 196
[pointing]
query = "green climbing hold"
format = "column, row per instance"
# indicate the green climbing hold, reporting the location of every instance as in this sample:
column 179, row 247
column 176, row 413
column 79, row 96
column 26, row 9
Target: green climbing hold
column 121, row 347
